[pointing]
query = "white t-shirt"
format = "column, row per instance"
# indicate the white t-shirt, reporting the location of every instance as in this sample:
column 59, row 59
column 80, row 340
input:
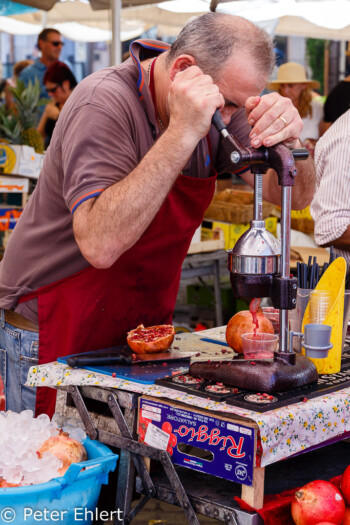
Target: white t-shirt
column 311, row 124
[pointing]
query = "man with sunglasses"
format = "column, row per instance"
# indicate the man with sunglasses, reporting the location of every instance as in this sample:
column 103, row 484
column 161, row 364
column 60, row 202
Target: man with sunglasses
column 50, row 45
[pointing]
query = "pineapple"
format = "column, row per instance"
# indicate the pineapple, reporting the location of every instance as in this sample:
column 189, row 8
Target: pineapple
column 27, row 101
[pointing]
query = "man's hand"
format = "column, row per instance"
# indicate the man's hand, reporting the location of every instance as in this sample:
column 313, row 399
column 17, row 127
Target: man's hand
column 193, row 99
column 274, row 119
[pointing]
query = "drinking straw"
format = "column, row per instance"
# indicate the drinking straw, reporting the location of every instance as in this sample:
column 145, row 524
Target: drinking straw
column 309, row 269
column 312, row 277
column 317, row 274
column 305, row 276
column 324, row 268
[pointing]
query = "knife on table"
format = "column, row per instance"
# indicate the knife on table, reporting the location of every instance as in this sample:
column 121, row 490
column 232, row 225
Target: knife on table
column 120, row 356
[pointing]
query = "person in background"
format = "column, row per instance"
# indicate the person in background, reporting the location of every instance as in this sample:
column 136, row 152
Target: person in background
column 330, row 207
column 129, row 173
column 292, row 82
column 59, row 82
column 337, row 101
column 50, row 46
column 11, row 82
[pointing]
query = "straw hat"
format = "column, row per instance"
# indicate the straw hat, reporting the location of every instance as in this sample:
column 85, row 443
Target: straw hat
column 292, row 73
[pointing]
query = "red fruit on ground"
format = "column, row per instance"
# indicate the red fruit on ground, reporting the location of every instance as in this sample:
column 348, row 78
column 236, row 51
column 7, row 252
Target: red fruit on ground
column 345, row 485
column 346, row 520
column 318, row 501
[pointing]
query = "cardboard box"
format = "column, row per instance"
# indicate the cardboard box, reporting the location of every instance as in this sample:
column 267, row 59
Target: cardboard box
column 9, row 217
column 20, row 160
column 198, row 439
column 232, row 232
column 302, row 253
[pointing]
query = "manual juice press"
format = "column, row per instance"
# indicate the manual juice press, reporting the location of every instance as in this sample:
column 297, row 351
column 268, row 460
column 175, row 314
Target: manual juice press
column 259, row 267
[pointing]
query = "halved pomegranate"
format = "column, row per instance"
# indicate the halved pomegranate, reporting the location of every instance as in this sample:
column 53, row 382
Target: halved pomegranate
column 152, row 339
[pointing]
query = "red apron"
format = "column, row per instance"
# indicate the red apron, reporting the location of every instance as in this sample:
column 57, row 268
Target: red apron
column 96, row 308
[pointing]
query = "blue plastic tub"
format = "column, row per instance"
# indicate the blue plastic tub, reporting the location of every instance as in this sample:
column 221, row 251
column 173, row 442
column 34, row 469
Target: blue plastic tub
column 69, row 499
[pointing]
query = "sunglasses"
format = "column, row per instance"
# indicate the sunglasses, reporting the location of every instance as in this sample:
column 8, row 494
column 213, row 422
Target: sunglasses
column 56, row 43
column 52, row 90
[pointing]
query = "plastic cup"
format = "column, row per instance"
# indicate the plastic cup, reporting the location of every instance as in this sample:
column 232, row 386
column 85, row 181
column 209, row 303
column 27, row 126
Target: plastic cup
column 317, row 335
column 317, row 340
column 320, row 303
column 296, row 316
column 259, row 345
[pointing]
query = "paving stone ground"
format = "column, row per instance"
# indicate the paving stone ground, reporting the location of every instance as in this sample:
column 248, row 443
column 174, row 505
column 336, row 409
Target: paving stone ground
column 157, row 512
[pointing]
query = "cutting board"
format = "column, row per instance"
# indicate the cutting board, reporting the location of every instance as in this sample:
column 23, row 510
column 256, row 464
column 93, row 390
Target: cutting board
column 145, row 374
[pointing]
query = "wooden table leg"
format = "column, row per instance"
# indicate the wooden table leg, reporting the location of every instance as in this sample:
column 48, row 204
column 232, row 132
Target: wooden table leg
column 254, row 495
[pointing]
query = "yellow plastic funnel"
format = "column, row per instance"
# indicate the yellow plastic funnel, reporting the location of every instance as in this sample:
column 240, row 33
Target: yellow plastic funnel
column 333, row 280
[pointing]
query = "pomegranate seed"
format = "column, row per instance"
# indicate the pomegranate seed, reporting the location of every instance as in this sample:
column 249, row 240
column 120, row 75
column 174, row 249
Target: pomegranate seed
column 114, row 374
column 304, row 399
column 253, row 363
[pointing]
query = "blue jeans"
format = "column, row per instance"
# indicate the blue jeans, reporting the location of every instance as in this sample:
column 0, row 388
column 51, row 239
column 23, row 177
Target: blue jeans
column 19, row 350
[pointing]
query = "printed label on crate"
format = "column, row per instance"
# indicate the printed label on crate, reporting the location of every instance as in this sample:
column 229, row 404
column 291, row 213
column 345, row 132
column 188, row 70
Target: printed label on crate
column 199, row 441
column 157, row 438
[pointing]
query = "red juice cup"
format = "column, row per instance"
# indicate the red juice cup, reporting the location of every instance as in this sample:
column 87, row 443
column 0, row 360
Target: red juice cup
column 259, row 345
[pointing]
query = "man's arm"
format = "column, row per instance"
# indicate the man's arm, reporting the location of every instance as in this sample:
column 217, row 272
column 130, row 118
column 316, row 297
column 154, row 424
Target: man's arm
column 343, row 242
column 105, row 227
column 330, row 207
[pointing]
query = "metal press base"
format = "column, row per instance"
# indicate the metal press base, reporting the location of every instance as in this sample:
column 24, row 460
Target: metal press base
column 285, row 372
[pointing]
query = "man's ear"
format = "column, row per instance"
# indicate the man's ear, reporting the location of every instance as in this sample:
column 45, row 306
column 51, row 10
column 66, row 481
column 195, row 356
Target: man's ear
column 180, row 64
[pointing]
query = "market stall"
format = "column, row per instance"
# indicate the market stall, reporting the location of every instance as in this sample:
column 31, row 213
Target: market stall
column 310, row 420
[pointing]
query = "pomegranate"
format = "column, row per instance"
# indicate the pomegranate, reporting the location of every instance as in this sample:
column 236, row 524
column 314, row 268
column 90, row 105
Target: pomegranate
column 316, row 501
column 242, row 323
column 152, row 339
column 345, row 485
column 65, row 448
column 4, row 484
column 346, row 520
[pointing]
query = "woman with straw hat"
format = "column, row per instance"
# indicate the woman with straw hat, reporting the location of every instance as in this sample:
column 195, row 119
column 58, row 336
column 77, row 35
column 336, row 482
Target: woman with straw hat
column 293, row 83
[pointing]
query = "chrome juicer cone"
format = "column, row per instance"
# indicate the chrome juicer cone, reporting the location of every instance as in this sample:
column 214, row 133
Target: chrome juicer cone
column 256, row 252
